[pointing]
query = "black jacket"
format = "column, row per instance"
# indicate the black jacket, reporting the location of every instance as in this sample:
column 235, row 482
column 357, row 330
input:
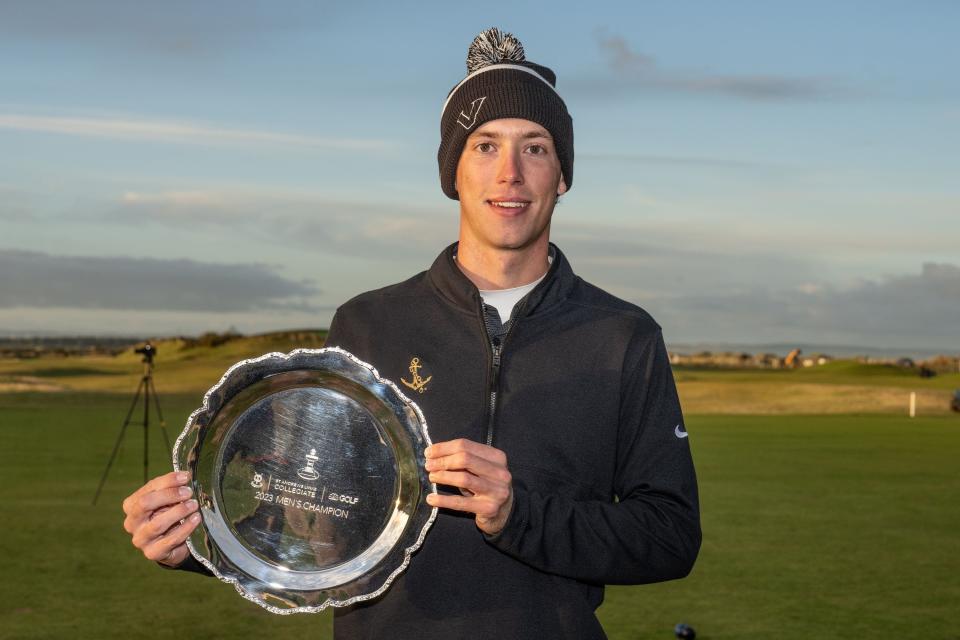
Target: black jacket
column 587, row 413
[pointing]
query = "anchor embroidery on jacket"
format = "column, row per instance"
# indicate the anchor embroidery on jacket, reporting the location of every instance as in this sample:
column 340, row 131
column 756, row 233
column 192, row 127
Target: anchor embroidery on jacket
column 419, row 384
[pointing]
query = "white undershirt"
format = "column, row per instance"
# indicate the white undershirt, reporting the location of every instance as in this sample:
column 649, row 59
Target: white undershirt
column 503, row 300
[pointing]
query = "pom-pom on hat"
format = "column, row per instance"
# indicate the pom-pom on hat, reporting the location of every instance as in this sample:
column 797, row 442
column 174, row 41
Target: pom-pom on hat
column 501, row 83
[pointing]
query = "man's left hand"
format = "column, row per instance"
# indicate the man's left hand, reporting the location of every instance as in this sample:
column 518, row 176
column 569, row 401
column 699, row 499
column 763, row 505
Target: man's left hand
column 481, row 474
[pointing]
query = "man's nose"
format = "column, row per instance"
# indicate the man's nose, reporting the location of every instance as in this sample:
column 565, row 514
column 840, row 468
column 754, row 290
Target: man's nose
column 511, row 171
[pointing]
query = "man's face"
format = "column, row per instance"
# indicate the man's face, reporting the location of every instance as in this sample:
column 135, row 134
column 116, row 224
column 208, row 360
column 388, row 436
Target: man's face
column 508, row 180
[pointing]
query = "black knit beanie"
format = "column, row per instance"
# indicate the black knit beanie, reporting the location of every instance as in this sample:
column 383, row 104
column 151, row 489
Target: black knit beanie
column 501, row 83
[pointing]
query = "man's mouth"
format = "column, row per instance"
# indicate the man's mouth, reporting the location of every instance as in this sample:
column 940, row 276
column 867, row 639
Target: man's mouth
column 509, row 204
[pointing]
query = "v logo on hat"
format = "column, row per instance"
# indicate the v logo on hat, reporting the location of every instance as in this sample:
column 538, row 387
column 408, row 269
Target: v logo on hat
column 467, row 120
column 511, row 87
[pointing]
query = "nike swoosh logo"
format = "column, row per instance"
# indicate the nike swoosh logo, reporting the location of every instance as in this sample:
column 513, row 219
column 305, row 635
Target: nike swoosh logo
column 678, row 433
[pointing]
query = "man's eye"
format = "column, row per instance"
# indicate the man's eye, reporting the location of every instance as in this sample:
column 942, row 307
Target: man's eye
column 484, row 147
column 536, row 149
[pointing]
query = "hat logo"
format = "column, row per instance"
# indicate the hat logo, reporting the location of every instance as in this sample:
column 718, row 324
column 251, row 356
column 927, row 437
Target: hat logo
column 467, row 120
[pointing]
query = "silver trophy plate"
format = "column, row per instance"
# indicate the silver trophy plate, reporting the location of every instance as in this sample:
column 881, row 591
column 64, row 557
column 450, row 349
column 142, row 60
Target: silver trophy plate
column 308, row 468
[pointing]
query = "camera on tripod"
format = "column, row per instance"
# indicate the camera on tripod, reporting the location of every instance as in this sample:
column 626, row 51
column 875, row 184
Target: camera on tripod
column 148, row 351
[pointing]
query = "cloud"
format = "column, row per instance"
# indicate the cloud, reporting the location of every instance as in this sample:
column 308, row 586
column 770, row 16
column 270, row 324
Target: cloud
column 173, row 27
column 677, row 161
column 14, row 204
column 644, row 263
column 920, row 309
column 700, row 289
column 33, row 279
column 140, row 323
column 296, row 219
column 642, row 70
column 180, row 132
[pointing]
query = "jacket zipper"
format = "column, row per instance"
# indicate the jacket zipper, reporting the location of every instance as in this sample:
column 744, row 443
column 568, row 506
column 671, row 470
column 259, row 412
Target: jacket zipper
column 496, row 347
column 496, row 350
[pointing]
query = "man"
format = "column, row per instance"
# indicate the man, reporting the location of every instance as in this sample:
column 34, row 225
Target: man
column 560, row 452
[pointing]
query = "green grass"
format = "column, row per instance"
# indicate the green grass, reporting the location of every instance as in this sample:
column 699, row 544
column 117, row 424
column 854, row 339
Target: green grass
column 70, row 570
column 814, row 527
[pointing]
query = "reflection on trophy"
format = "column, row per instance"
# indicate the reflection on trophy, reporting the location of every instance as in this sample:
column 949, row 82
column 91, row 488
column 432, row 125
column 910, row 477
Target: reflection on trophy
column 308, row 472
column 287, row 544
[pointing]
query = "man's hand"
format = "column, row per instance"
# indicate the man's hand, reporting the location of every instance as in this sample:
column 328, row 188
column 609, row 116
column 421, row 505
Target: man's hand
column 154, row 515
column 481, row 474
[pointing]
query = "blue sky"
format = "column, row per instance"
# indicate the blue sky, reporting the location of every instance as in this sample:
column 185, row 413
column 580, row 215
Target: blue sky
column 745, row 171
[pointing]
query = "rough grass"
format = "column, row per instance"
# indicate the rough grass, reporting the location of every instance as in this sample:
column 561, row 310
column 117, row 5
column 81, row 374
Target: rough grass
column 836, row 372
column 788, row 397
column 839, row 387
column 814, row 527
column 179, row 368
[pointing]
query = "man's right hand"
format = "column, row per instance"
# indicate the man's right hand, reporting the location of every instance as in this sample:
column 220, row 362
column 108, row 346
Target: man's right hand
column 160, row 517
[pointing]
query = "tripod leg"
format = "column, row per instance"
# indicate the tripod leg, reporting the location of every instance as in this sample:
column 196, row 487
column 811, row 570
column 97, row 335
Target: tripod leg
column 116, row 447
column 163, row 424
column 146, row 428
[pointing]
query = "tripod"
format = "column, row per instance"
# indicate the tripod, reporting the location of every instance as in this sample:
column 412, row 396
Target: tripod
column 146, row 386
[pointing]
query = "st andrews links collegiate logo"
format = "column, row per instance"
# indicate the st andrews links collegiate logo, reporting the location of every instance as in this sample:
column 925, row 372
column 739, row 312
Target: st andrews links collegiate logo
column 419, row 383
column 467, row 120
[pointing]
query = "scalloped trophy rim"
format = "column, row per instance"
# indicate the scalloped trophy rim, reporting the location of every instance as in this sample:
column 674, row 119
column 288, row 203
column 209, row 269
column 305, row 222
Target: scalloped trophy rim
column 235, row 577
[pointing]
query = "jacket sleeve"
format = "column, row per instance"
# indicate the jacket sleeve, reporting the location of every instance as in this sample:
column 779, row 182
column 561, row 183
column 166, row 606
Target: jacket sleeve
column 189, row 564
column 650, row 531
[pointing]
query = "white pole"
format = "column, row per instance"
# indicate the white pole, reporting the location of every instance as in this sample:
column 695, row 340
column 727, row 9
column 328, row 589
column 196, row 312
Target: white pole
column 913, row 404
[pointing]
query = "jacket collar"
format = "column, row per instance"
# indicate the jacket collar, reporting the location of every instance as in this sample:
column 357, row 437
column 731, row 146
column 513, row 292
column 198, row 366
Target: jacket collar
column 451, row 283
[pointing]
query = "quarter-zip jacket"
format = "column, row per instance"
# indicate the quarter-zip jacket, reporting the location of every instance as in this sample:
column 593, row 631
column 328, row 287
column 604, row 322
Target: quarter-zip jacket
column 580, row 397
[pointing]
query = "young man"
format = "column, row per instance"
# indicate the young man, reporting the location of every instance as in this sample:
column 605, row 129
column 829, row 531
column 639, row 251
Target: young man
column 560, row 452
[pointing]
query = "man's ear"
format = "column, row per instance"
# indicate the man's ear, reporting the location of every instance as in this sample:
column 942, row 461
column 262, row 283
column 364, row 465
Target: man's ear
column 562, row 187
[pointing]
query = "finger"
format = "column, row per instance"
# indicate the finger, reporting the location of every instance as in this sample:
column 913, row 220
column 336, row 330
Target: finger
column 452, row 501
column 449, row 447
column 462, row 480
column 482, row 507
column 162, row 548
column 161, row 510
column 161, row 523
column 150, row 502
column 132, row 522
column 143, row 508
column 166, row 481
column 463, row 461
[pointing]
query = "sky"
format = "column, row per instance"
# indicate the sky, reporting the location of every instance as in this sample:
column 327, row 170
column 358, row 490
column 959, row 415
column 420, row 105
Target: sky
column 747, row 172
